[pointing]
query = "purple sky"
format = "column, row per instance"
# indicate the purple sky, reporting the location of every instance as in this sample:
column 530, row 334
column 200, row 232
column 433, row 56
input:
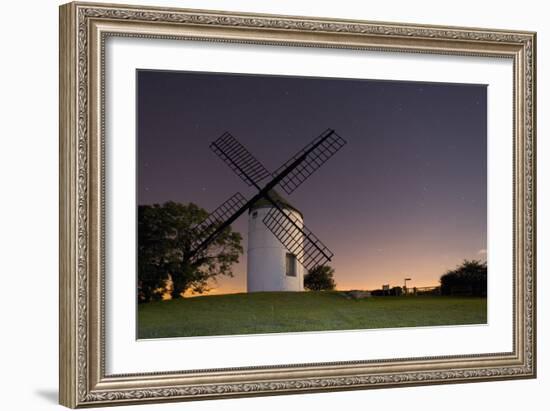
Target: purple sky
column 406, row 197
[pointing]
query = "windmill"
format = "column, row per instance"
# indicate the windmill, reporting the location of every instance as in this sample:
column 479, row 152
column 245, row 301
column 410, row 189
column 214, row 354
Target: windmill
column 282, row 221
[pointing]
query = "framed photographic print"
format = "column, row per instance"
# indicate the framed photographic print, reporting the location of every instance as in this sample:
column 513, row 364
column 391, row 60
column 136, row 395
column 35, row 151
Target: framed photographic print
column 244, row 195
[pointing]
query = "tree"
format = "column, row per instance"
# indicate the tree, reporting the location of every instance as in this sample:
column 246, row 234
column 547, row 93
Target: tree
column 165, row 241
column 470, row 278
column 396, row 291
column 320, row 278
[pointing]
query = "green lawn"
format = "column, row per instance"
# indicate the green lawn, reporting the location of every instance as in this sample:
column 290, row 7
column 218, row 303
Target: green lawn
column 257, row 313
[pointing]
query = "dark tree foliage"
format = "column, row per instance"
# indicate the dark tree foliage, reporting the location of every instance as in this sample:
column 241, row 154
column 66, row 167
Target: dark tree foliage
column 165, row 238
column 320, row 278
column 470, row 278
column 396, row 291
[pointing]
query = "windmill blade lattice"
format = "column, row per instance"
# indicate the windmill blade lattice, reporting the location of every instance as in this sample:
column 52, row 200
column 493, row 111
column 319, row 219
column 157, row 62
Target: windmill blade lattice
column 315, row 159
column 309, row 250
column 216, row 218
column 239, row 159
column 297, row 238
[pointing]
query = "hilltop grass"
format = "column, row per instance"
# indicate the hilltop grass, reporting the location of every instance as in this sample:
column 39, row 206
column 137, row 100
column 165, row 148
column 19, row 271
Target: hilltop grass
column 277, row 312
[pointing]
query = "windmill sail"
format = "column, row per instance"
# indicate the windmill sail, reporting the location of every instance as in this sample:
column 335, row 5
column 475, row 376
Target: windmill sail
column 297, row 238
column 239, row 159
column 327, row 144
column 208, row 229
column 309, row 250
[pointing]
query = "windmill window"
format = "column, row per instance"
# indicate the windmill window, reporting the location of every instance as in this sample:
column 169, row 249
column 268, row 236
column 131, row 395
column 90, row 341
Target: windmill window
column 254, row 214
column 290, row 265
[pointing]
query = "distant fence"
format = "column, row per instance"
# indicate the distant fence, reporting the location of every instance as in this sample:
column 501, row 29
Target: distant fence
column 396, row 291
column 459, row 291
column 433, row 290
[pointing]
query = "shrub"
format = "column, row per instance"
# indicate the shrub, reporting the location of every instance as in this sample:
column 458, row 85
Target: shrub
column 320, row 278
column 470, row 278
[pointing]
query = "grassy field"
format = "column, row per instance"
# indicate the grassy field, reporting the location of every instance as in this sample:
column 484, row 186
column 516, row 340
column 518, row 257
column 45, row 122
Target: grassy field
column 259, row 313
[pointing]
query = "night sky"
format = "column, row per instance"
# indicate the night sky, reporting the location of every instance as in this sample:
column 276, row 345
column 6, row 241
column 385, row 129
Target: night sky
column 406, row 197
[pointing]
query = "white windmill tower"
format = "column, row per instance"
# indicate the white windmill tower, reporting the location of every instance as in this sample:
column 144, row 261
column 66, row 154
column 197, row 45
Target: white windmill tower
column 270, row 265
column 280, row 246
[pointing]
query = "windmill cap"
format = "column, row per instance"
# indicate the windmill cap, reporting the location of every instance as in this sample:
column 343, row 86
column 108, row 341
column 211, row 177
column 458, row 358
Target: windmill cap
column 279, row 199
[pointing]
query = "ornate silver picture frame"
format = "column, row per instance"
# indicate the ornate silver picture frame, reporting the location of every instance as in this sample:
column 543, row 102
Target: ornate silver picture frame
column 84, row 30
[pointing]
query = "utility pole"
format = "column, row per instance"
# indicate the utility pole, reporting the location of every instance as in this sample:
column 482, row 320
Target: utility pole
column 405, row 285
